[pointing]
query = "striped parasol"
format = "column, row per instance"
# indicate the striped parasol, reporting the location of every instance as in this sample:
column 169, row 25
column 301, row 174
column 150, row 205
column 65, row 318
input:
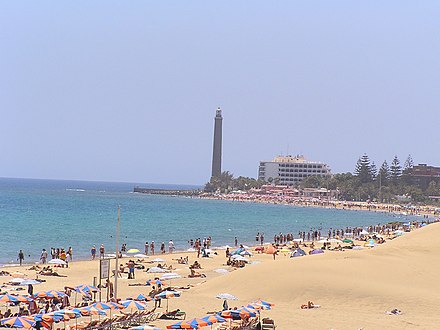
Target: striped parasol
column 86, row 289
column 144, row 327
column 133, row 304
column 190, row 324
column 18, row 322
column 141, row 297
column 14, row 299
column 49, row 294
column 211, row 319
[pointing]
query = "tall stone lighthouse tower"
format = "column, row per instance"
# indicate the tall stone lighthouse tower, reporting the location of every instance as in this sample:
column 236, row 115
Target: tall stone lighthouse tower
column 217, row 147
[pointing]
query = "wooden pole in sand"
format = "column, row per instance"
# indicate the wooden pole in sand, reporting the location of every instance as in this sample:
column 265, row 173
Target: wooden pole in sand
column 117, row 253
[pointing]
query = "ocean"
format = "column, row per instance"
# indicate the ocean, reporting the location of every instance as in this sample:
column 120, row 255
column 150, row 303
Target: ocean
column 37, row 214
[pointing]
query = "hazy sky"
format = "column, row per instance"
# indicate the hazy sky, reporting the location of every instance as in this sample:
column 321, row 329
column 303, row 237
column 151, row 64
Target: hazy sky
column 127, row 91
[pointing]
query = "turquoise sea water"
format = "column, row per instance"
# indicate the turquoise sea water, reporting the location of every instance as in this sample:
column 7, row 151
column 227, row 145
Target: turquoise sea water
column 36, row 214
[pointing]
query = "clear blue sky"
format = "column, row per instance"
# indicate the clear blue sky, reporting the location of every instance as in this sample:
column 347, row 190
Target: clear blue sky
column 127, row 91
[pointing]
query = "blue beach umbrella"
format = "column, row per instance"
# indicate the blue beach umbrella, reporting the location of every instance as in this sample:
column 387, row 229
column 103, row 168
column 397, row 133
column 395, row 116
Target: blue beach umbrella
column 144, row 327
column 166, row 295
column 18, row 322
column 190, row 324
column 133, row 304
column 211, row 319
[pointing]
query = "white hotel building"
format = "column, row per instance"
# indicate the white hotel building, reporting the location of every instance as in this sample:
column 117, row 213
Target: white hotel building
column 289, row 170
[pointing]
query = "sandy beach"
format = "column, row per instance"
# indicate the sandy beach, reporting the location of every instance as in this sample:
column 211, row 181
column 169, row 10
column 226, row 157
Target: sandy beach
column 353, row 288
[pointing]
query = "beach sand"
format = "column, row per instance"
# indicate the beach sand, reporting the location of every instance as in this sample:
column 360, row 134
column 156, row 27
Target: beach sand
column 354, row 288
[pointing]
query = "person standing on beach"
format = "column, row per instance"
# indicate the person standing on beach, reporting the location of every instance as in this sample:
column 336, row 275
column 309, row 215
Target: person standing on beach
column 43, row 256
column 101, row 251
column 236, row 241
column 162, row 248
column 170, row 246
column 152, row 247
column 261, row 238
column 21, row 257
column 93, row 252
column 70, row 253
column 147, row 248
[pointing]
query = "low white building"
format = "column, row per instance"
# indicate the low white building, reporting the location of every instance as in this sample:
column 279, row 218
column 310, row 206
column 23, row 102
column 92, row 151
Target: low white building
column 291, row 170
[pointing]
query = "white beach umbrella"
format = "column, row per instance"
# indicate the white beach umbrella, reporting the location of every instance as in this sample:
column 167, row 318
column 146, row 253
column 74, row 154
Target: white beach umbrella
column 157, row 260
column 170, row 276
column 17, row 280
column 57, row 262
column 226, row 296
column 239, row 258
column 30, row 282
column 156, row 270
column 221, row 271
column 140, row 255
column 334, row 240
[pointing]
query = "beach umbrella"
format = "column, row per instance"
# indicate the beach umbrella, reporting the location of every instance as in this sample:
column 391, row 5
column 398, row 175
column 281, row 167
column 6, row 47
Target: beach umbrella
column 261, row 304
column 144, row 327
column 245, row 312
column 57, row 262
column 13, row 299
column 90, row 310
column 70, row 313
column 133, row 304
column 321, row 241
column 30, row 282
column 285, row 250
column 170, row 276
column 17, row 280
column 157, row 260
column 49, row 294
column 317, row 251
column 239, row 258
column 347, row 241
column 18, row 322
column 86, row 288
column 140, row 255
column 226, row 296
column 156, row 282
column 211, row 319
column 141, row 297
column 271, row 249
column 156, row 270
column 334, row 240
column 133, row 251
column 107, row 306
column 190, row 324
column 167, row 294
column 221, row 271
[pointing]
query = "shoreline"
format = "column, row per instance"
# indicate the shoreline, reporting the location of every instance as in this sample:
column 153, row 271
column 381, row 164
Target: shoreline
column 393, row 209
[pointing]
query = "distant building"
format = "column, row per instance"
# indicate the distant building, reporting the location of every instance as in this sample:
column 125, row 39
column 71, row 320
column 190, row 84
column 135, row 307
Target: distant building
column 423, row 174
column 289, row 170
column 217, row 145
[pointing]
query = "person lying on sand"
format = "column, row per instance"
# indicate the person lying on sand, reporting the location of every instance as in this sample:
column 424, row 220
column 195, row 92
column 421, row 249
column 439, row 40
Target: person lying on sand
column 309, row 305
column 49, row 272
column 195, row 274
column 182, row 260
